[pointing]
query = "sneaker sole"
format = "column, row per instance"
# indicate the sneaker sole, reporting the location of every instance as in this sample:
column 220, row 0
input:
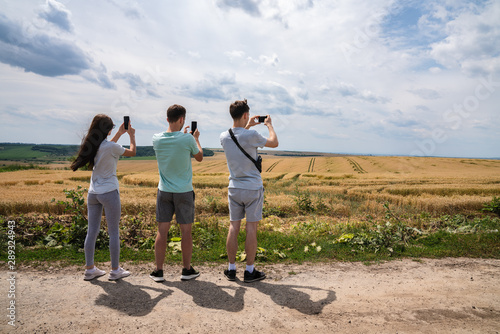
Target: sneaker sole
column 91, row 278
column 229, row 278
column 189, row 277
column 117, row 278
column 254, row 279
column 157, row 279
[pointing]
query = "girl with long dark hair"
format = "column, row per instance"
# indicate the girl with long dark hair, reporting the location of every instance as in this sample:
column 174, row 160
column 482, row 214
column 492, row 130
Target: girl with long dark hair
column 101, row 156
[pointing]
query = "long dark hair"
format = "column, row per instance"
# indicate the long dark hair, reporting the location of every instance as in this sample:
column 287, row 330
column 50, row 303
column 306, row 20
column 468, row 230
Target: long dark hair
column 98, row 131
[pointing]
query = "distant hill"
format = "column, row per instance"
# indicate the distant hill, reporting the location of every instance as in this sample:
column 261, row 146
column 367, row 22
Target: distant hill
column 45, row 153
column 36, row 153
column 291, row 153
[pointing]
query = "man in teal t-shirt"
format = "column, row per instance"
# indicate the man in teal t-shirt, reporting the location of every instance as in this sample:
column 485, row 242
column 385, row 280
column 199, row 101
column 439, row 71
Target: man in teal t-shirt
column 173, row 153
column 173, row 150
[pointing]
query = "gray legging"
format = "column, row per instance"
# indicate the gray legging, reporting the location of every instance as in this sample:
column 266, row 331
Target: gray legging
column 112, row 209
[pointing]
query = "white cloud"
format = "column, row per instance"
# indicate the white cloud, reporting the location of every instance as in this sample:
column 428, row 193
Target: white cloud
column 57, row 14
column 47, row 55
column 129, row 9
column 344, row 76
column 234, row 54
column 251, row 7
column 473, row 41
column 426, row 93
column 212, row 87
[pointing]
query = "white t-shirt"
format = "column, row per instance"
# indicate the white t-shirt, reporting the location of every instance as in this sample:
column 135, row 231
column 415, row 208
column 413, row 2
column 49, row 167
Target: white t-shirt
column 242, row 172
column 104, row 178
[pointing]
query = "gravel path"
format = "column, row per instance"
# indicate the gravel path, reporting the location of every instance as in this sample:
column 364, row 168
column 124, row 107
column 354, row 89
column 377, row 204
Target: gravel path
column 427, row 296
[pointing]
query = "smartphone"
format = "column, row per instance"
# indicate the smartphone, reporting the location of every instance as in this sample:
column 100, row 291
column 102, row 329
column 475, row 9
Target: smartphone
column 262, row 119
column 194, row 126
column 126, row 120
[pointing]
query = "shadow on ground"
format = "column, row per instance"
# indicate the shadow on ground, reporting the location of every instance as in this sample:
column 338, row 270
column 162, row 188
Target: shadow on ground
column 128, row 298
column 135, row 300
column 294, row 297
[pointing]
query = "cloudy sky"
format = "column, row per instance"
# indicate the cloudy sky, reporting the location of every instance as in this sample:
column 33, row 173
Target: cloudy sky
column 343, row 76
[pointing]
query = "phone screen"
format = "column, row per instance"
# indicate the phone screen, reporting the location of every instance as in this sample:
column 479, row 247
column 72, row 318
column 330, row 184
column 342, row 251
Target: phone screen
column 194, row 126
column 126, row 120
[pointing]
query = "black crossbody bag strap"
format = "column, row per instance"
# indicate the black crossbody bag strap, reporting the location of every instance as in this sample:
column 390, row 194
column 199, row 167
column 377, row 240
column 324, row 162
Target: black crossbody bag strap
column 241, row 148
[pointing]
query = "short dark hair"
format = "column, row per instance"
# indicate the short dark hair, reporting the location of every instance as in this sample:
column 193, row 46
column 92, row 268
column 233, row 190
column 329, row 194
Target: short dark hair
column 238, row 108
column 174, row 112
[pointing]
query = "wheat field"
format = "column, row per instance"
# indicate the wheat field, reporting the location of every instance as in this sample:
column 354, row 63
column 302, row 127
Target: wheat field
column 339, row 187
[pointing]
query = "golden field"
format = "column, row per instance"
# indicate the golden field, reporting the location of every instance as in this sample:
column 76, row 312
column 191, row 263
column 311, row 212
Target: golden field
column 339, row 187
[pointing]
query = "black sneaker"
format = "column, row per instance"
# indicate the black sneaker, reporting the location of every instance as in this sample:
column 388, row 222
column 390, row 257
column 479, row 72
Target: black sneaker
column 254, row 276
column 189, row 274
column 157, row 276
column 230, row 274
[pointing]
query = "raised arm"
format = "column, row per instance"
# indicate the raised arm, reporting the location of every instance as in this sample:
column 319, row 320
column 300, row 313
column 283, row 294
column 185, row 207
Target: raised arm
column 129, row 152
column 199, row 155
column 272, row 141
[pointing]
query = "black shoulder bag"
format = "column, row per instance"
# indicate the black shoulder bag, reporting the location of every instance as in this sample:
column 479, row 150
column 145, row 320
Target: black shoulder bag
column 257, row 163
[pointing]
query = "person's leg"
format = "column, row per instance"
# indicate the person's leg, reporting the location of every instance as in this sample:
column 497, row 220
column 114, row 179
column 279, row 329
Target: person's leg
column 232, row 240
column 253, row 209
column 236, row 214
column 161, row 244
column 94, row 213
column 186, row 244
column 164, row 214
column 184, row 213
column 251, row 242
column 112, row 210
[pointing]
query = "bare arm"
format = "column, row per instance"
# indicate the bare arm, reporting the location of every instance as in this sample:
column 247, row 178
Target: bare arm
column 119, row 133
column 272, row 141
column 129, row 152
column 252, row 122
column 198, row 156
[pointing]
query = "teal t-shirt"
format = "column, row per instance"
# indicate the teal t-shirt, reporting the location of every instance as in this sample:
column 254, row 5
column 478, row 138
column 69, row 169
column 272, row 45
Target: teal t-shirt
column 173, row 152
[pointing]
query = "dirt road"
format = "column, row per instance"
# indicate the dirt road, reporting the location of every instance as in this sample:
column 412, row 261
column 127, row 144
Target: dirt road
column 427, row 296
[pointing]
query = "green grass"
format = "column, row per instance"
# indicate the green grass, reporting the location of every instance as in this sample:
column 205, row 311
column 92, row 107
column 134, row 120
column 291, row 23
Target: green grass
column 449, row 245
column 39, row 153
column 274, row 247
column 19, row 152
column 44, row 238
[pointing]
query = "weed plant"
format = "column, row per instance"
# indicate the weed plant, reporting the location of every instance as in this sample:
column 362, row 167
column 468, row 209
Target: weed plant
column 493, row 206
column 73, row 235
column 313, row 237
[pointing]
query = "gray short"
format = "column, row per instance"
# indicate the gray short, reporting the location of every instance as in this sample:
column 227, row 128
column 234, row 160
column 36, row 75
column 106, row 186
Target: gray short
column 249, row 202
column 182, row 204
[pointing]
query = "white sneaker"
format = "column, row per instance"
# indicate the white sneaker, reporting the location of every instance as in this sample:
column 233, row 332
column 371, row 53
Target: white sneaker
column 90, row 274
column 119, row 273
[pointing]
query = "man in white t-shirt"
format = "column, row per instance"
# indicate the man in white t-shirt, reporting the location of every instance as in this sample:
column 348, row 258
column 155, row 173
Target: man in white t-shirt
column 245, row 190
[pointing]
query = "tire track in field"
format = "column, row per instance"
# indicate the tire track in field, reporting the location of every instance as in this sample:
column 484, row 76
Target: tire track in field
column 273, row 165
column 311, row 165
column 357, row 167
column 209, row 167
